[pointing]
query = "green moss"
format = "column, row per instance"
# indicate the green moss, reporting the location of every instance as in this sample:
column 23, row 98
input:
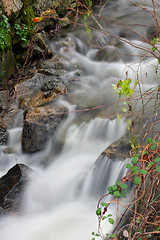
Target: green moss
column 27, row 14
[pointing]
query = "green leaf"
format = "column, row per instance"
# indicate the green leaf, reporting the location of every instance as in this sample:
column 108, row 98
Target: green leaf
column 114, row 187
column 134, row 160
column 110, row 190
column 128, row 165
column 118, row 183
column 109, row 215
column 123, row 194
column 134, row 168
column 135, row 172
column 104, row 218
column 156, row 160
column 104, row 204
column 93, row 233
column 93, row 238
column 149, row 140
column 113, row 235
column 158, row 169
column 117, row 194
column 140, row 238
column 148, row 236
column 137, row 180
column 111, row 220
column 124, row 109
column 153, row 49
column 145, row 152
column 124, row 186
column 153, row 147
column 143, row 171
column 107, row 235
column 98, row 212
column 97, row 235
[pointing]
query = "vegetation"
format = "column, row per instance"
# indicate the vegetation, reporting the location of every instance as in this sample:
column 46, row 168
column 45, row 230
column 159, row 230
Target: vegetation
column 140, row 218
column 5, row 36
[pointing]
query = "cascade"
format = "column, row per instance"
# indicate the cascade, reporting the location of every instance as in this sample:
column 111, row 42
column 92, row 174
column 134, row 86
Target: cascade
column 60, row 200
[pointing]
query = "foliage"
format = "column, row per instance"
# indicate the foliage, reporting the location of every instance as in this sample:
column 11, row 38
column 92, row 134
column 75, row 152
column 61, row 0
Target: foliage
column 140, row 172
column 5, row 38
column 21, row 32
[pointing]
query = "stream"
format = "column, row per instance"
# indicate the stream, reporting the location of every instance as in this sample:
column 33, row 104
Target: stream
column 60, row 200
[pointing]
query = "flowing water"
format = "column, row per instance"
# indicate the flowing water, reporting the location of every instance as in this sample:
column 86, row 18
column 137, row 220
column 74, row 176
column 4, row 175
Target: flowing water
column 60, row 200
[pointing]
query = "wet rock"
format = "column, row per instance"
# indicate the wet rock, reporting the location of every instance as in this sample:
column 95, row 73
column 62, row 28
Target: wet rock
column 41, row 46
column 108, row 54
column 39, row 125
column 29, row 86
column 119, row 149
column 49, row 92
column 12, row 186
column 12, row 6
column 3, row 133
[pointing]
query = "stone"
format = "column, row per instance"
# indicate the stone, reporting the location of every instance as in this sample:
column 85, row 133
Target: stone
column 43, row 97
column 3, row 133
column 29, row 86
column 12, row 6
column 39, row 125
column 41, row 46
column 12, row 186
column 108, row 54
column 119, row 149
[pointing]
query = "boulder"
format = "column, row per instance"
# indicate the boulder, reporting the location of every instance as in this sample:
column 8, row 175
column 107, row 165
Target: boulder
column 119, row 149
column 3, row 133
column 12, row 186
column 39, row 125
column 12, row 6
column 40, row 48
column 107, row 54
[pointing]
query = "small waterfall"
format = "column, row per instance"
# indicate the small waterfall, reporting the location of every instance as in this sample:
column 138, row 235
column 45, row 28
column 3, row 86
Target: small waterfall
column 61, row 198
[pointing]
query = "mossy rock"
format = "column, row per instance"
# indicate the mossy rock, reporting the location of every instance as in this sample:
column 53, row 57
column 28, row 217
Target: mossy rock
column 7, row 65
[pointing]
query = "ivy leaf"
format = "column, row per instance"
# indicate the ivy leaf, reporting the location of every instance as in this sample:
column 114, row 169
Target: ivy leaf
column 123, row 194
column 118, row 182
column 134, row 168
column 98, row 212
column 113, row 236
column 114, row 187
column 149, row 140
column 137, row 180
column 111, row 220
column 158, row 169
column 153, row 147
column 117, row 194
column 104, row 204
column 124, row 186
column 128, row 165
column 156, row 160
column 134, row 160
column 143, row 171
column 97, row 235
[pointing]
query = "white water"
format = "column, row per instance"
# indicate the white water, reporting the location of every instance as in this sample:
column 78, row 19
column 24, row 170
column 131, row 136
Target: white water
column 60, row 201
